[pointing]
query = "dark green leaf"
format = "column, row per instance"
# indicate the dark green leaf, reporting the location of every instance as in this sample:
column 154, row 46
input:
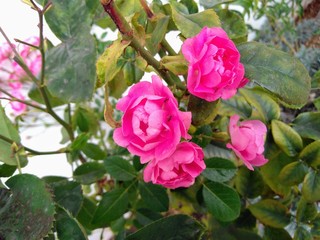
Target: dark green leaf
column 8, row 131
column 93, row 151
column 80, row 141
column 202, row 136
column 236, row 105
column 7, row 170
column 308, row 125
column 154, row 197
column 234, row 25
column 191, row 24
column 249, row 183
column 281, row 74
column 302, row 233
column 311, row 186
column 271, row 212
column 178, row 227
column 219, row 169
column 293, row 173
column 119, row 168
column 287, row 139
column 67, row 18
column 276, row 233
column 191, row 5
column 267, row 109
column 85, row 119
column 111, row 207
column 27, row 209
column 311, row 154
column 86, row 212
column 306, row 211
column 68, row 194
column 146, row 216
column 89, row 172
column 68, row 227
column 222, row 201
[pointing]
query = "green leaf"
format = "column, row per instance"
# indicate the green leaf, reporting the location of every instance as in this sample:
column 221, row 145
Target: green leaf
column 235, row 105
column 267, row 109
column 270, row 171
column 85, row 119
column 249, row 183
column 212, row 3
column 176, row 64
column 311, row 154
column 308, row 125
column 89, row 172
column 35, row 95
column 222, row 201
column 286, row 138
column 191, row 24
column 27, row 209
column 8, row 131
column 93, row 151
column 203, row 112
column 154, row 197
column 107, row 65
column 80, row 141
column 302, row 233
column 306, row 211
column 281, row 74
column 271, row 212
column 311, row 186
column 219, row 169
column 68, row 227
column 70, row 69
column 86, row 212
column 158, row 33
column 119, row 168
column 234, row 25
column 146, row 216
column 131, row 72
column 68, row 194
column 276, row 233
column 293, row 173
column 67, row 18
column 191, row 5
column 111, row 207
column 7, row 170
column 173, row 227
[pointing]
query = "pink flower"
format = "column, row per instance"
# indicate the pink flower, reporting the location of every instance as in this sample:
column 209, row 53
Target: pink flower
column 177, row 170
column 247, row 141
column 214, row 70
column 152, row 124
column 18, row 107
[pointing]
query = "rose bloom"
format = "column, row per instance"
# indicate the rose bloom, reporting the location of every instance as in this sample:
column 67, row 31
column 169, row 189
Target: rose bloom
column 152, row 124
column 214, row 69
column 247, row 141
column 179, row 169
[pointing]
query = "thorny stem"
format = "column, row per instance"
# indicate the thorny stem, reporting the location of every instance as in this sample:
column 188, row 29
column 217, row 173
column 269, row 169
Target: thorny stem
column 127, row 34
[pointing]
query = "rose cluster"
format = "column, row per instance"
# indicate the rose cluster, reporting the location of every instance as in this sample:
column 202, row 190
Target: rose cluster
column 12, row 75
column 154, row 128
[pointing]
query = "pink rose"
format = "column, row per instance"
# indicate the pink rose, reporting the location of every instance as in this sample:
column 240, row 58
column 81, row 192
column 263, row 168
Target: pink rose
column 177, row 170
column 214, row 70
column 18, row 107
column 152, row 124
column 247, row 141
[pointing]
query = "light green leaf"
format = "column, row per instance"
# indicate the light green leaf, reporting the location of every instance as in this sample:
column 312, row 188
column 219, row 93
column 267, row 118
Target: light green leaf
column 89, row 172
column 158, row 33
column 93, row 151
column 234, row 25
column 191, row 24
column 286, row 138
column 70, row 69
column 311, row 186
column 111, row 207
column 281, row 74
column 154, row 197
column 119, row 168
column 27, row 209
column 308, row 125
column 311, row 154
column 212, row 3
column 176, row 64
column 67, row 226
column 249, row 183
column 267, row 109
column 293, row 173
column 107, row 65
column 222, row 201
column 235, row 105
column 219, row 169
column 271, row 212
column 8, row 131
column 173, row 227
